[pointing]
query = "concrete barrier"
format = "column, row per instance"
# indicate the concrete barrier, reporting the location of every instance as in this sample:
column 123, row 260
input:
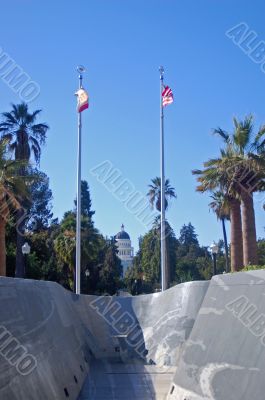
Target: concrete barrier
column 214, row 335
column 151, row 327
column 223, row 358
column 49, row 336
column 39, row 321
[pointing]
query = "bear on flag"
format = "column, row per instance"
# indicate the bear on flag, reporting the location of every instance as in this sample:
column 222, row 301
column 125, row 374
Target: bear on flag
column 82, row 100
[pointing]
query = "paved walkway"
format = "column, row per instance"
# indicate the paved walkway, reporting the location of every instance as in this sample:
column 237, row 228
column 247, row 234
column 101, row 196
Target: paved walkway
column 112, row 381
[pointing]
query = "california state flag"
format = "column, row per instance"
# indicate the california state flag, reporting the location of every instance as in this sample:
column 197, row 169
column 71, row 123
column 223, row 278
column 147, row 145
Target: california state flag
column 82, row 100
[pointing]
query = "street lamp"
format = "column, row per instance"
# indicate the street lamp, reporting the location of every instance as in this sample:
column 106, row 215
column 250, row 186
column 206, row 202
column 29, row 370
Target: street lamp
column 87, row 274
column 214, row 250
column 25, row 252
column 26, row 248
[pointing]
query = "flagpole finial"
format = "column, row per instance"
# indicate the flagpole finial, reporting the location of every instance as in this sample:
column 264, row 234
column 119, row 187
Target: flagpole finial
column 162, row 71
column 80, row 69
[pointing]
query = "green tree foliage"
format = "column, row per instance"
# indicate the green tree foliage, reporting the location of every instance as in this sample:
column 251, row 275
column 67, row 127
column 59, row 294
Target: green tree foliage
column 85, row 201
column 154, row 193
column 188, row 252
column 12, row 189
column 188, row 237
column 145, row 273
column 40, row 207
column 25, row 137
column 52, row 255
column 238, row 172
column 188, row 261
column 111, row 270
column 261, row 251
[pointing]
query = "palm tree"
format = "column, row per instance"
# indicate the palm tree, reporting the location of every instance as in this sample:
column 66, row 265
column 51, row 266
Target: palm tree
column 238, row 173
column 248, row 173
column 11, row 189
column 154, row 193
column 221, row 207
column 25, row 138
column 216, row 176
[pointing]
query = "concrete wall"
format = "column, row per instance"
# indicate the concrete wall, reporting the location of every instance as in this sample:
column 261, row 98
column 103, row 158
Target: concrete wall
column 224, row 357
column 49, row 337
column 214, row 334
column 41, row 317
column 148, row 327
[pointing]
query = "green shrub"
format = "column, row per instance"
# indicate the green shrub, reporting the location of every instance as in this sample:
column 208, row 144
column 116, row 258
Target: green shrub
column 253, row 267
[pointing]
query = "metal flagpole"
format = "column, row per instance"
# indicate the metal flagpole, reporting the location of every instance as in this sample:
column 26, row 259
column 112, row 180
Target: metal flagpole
column 80, row 70
column 162, row 179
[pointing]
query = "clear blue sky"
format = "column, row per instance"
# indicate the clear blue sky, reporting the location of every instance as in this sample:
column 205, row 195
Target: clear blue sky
column 122, row 43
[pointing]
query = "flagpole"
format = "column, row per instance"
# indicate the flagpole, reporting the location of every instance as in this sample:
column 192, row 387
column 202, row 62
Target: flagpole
column 162, row 180
column 80, row 70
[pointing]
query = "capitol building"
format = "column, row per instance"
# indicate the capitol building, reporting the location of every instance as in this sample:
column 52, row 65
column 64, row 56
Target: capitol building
column 125, row 249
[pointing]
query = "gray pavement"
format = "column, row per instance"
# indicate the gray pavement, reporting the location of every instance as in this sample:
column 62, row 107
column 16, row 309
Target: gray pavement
column 116, row 381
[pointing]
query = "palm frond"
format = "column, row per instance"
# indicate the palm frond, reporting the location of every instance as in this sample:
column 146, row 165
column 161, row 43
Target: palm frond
column 220, row 132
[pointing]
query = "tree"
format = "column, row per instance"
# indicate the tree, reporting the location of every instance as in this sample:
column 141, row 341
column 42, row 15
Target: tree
column 64, row 245
column 238, row 172
column 261, row 251
column 40, row 207
column 216, row 175
column 151, row 256
column 148, row 259
column 12, row 187
column 220, row 206
column 111, row 271
column 25, row 138
column 188, row 237
column 154, row 193
column 93, row 248
column 248, row 171
column 85, row 201
column 187, row 254
column 42, row 262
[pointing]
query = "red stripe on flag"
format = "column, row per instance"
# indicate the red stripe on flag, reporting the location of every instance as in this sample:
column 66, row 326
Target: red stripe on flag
column 83, row 107
column 167, row 96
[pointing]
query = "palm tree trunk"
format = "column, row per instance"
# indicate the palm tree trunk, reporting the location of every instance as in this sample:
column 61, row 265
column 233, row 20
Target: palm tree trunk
column 2, row 247
column 236, row 236
column 226, row 245
column 20, row 261
column 249, row 230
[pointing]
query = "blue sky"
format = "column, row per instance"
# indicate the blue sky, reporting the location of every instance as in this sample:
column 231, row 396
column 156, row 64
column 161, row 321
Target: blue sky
column 122, row 44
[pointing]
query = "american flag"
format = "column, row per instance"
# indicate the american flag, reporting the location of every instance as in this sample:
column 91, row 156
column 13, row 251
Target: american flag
column 167, row 96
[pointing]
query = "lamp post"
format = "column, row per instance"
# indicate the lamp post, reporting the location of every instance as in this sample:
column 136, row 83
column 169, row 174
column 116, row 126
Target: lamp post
column 25, row 251
column 136, row 284
column 87, row 273
column 214, row 250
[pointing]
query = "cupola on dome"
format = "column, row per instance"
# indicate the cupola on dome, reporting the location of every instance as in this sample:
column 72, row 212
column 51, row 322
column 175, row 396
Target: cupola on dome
column 122, row 234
